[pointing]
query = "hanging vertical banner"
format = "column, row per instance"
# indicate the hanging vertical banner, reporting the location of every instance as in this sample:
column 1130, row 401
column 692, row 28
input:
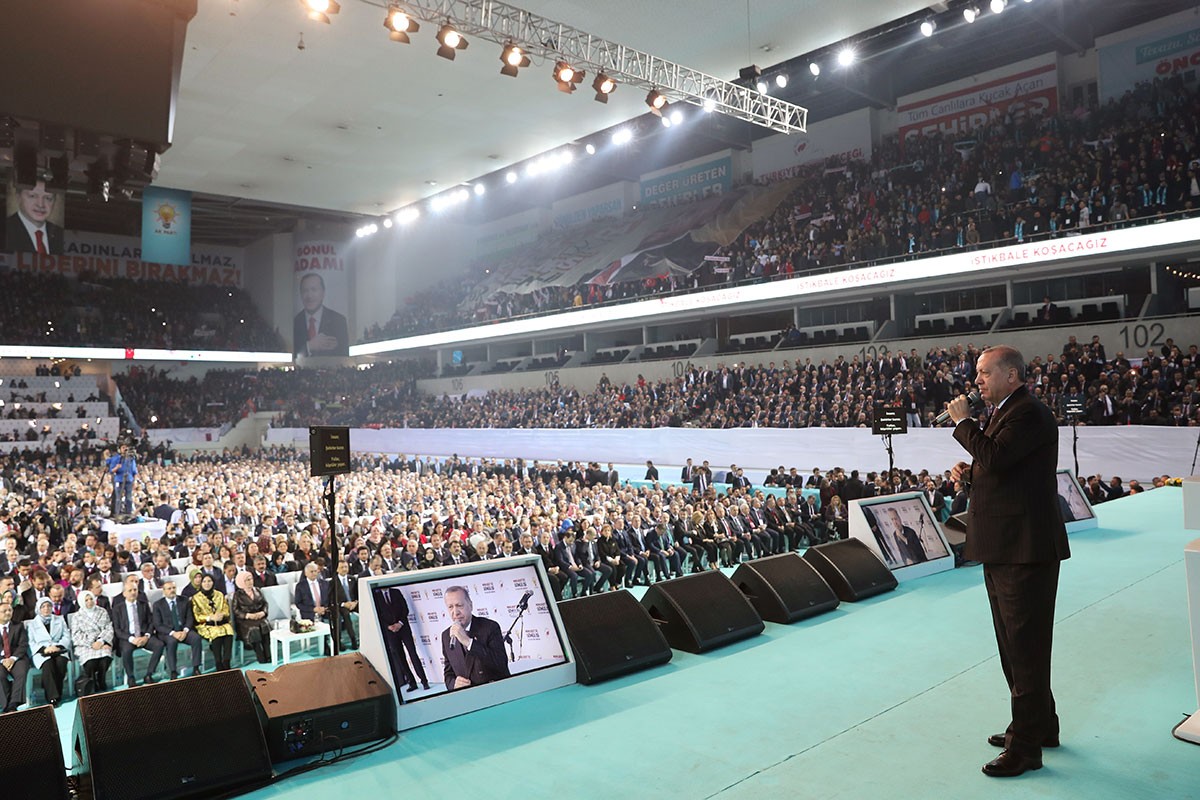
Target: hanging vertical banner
column 166, row 226
column 322, row 295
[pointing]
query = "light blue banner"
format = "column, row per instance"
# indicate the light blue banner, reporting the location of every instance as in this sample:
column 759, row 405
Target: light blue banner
column 689, row 185
column 166, row 226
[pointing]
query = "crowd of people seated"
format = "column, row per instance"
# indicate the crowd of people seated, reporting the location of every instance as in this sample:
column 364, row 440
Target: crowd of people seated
column 1014, row 180
column 236, row 526
column 118, row 312
column 1158, row 387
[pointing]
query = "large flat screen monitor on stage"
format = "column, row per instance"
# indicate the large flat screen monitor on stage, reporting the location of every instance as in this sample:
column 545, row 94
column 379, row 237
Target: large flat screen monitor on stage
column 903, row 531
column 465, row 636
column 1073, row 504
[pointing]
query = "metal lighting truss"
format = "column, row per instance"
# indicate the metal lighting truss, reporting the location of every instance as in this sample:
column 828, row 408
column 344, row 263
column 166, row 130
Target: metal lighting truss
column 504, row 24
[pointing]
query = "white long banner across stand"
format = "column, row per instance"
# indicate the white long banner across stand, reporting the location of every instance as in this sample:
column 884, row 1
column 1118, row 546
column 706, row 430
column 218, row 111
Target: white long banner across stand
column 1131, row 452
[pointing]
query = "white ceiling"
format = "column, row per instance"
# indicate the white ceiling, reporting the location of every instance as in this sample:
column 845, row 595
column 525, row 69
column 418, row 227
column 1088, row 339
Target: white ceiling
column 355, row 122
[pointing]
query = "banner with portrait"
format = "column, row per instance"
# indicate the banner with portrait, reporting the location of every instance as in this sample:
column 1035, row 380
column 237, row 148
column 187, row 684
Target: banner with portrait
column 33, row 221
column 320, row 327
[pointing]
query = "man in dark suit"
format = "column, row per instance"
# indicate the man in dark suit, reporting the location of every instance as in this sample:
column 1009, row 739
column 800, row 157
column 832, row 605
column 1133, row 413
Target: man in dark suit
column 14, row 660
column 312, row 594
column 345, row 588
column 398, row 638
column 651, row 471
column 1014, row 530
column 30, row 230
column 317, row 330
column 132, row 626
column 472, row 646
column 173, row 622
column 262, row 576
column 164, row 510
column 568, row 562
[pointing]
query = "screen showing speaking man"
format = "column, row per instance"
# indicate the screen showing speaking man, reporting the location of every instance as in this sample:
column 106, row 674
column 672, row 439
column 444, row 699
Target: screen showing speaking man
column 35, row 224
column 472, row 647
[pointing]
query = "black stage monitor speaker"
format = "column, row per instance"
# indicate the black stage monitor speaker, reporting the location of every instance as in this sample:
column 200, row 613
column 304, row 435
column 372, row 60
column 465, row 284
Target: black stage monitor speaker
column 784, row 588
column 851, row 569
column 700, row 612
column 31, row 757
column 611, row 634
column 321, row 705
column 215, row 741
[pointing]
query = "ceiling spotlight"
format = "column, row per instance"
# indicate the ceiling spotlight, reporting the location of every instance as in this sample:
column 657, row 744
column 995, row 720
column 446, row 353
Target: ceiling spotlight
column 400, row 24
column 387, row 222
column 845, row 57
column 710, row 105
column 451, row 41
column 603, row 86
column 657, row 102
column 998, row 6
column 666, row 122
column 590, row 149
column 970, row 14
column 815, row 69
column 567, row 77
column 479, row 189
column 321, row 10
column 761, row 86
column 406, row 215
column 514, row 58
column 928, row 27
column 511, row 177
column 676, row 116
column 622, row 136
column 781, row 80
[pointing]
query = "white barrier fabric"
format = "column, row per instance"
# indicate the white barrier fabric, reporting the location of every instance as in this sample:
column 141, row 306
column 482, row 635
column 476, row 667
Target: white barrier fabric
column 1132, row 452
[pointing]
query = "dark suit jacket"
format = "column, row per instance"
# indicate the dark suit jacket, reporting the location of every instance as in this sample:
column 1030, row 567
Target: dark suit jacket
column 1013, row 515
column 18, row 640
column 268, row 579
column 17, row 240
column 392, row 608
column 332, row 324
column 161, row 616
column 304, row 600
column 352, row 582
column 485, row 662
column 120, row 620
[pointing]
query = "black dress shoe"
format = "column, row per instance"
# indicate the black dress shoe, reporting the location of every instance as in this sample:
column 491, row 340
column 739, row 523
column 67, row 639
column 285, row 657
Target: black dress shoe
column 150, row 679
column 412, row 687
column 997, row 740
column 424, row 685
column 1009, row 765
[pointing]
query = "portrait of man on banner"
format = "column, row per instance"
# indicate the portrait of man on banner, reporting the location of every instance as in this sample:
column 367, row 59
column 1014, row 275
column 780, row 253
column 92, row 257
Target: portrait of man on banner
column 317, row 329
column 35, row 220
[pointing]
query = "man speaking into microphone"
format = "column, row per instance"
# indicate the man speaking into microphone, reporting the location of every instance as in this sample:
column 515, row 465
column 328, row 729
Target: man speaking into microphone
column 473, row 647
column 1014, row 528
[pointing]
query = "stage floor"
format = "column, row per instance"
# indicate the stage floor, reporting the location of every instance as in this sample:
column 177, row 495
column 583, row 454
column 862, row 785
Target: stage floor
column 893, row 697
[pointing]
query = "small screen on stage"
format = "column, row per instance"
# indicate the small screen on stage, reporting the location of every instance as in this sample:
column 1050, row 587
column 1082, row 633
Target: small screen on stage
column 454, row 633
column 1071, row 502
column 904, row 531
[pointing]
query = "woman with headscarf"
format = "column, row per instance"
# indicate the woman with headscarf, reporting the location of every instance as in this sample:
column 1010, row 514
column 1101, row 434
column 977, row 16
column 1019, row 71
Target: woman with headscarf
column 250, row 615
column 212, row 621
column 193, row 586
column 92, row 637
column 50, row 648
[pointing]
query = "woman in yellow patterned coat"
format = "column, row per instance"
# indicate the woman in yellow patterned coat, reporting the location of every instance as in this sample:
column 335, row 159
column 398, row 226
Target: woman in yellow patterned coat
column 213, row 622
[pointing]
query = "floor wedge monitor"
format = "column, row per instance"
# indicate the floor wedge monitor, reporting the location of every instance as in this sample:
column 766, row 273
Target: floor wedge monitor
column 851, row 569
column 612, row 634
column 701, row 612
column 784, row 588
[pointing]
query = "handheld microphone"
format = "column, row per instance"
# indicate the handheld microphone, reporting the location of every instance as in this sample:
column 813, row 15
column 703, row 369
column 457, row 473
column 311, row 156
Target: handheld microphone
column 973, row 398
column 524, row 604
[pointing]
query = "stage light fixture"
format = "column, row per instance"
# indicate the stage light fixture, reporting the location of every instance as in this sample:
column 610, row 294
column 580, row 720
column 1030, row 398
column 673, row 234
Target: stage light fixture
column 479, row 190
column 781, row 80
column 815, row 69
column 603, row 86
column 666, row 122
column 676, row 116
column 451, row 41
column 710, row 105
column 761, row 85
column 622, row 136
column 387, row 222
column 657, row 102
column 590, row 149
column 321, row 10
column 970, row 14
column 567, row 77
column 513, row 58
column 928, row 27
column 845, row 57
column 400, row 24
column 511, row 177
column 998, row 6
column 406, row 215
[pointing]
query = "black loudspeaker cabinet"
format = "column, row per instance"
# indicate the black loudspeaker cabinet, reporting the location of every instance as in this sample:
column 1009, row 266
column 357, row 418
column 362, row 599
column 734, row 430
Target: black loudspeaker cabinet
column 31, row 756
column 784, row 588
column 213, row 745
column 612, row 634
column 320, row 705
column 701, row 612
column 851, row 569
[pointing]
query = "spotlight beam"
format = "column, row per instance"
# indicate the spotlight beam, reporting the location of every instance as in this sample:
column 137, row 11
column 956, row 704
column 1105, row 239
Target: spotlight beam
column 501, row 23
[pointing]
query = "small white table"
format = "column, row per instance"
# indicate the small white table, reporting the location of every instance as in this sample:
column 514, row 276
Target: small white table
column 284, row 638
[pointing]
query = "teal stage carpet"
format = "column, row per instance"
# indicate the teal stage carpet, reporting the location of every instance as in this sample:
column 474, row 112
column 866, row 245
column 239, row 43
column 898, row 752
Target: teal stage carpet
column 889, row 698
